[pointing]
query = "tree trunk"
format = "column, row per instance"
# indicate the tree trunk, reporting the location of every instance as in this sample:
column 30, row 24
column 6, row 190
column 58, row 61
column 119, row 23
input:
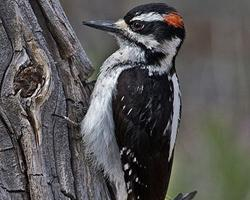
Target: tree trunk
column 43, row 71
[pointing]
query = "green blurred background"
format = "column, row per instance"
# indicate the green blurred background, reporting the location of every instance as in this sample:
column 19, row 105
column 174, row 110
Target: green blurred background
column 213, row 147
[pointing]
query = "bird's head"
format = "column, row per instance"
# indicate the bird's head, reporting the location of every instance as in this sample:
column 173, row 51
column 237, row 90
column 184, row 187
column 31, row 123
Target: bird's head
column 156, row 28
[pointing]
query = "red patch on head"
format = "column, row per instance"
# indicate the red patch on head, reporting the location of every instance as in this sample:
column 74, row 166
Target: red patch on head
column 174, row 19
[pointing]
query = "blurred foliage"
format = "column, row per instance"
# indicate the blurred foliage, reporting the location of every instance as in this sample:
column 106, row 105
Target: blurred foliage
column 223, row 172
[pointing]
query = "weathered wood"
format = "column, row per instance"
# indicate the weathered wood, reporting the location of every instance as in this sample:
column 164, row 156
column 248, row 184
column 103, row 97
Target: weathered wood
column 43, row 71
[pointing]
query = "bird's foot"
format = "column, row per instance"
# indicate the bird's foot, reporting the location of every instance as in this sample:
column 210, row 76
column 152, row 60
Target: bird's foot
column 187, row 196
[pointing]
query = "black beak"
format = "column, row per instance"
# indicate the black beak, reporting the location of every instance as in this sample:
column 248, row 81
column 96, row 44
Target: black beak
column 103, row 25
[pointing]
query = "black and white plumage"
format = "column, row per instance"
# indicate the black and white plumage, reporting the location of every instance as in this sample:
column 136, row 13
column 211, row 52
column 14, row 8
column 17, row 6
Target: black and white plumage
column 131, row 125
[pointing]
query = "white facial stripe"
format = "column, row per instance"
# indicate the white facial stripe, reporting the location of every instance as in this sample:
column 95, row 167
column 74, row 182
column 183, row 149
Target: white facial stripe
column 148, row 17
column 148, row 40
column 170, row 49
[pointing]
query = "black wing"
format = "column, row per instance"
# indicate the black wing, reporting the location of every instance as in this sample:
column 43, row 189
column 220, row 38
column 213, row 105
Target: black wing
column 143, row 108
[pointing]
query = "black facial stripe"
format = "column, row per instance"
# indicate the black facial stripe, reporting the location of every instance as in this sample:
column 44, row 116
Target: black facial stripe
column 154, row 58
column 161, row 30
column 127, row 38
column 147, row 29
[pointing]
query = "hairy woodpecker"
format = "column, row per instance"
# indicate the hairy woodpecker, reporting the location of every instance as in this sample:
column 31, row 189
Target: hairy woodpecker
column 131, row 125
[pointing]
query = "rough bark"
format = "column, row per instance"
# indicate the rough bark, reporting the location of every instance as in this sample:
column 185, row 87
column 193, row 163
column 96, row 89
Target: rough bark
column 43, row 71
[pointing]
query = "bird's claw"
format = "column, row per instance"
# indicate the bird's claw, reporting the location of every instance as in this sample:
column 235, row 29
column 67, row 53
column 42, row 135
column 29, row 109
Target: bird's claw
column 187, row 196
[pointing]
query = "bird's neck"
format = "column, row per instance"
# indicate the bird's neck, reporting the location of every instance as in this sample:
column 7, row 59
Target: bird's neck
column 155, row 61
column 158, row 59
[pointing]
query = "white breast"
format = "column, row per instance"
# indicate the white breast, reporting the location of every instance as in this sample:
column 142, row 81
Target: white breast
column 97, row 126
column 98, row 131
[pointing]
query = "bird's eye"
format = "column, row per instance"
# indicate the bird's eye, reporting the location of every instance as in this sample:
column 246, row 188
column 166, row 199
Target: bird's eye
column 137, row 26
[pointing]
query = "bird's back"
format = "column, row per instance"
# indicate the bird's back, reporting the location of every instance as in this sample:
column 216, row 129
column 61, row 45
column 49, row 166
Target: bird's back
column 143, row 113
